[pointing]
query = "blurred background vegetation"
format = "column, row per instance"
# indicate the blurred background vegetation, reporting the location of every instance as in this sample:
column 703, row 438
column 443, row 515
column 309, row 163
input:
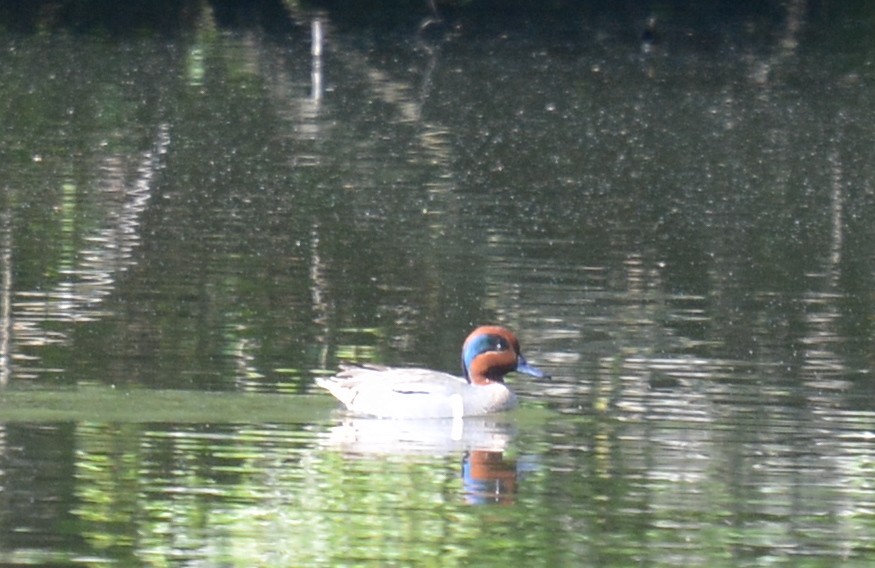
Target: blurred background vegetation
column 179, row 16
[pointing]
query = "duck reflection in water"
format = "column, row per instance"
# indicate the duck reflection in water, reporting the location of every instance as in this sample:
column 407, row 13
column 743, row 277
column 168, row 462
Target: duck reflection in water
column 488, row 477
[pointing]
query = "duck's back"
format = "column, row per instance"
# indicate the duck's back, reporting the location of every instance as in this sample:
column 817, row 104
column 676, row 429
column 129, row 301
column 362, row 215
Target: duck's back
column 395, row 392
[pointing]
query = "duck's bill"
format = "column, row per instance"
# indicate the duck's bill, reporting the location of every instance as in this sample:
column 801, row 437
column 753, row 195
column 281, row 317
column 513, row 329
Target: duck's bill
column 523, row 366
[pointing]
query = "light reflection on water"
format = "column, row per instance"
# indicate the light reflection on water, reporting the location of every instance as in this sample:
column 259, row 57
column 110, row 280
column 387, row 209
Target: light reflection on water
column 94, row 260
column 684, row 472
column 214, row 493
column 223, row 489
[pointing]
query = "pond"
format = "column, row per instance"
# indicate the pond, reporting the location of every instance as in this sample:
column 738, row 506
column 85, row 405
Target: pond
column 671, row 204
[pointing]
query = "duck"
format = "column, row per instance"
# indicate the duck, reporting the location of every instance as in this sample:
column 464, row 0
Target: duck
column 488, row 354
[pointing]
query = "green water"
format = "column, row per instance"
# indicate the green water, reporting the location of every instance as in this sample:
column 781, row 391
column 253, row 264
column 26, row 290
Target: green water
column 197, row 221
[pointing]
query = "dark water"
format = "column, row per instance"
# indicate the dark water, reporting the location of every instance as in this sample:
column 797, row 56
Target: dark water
column 196, row 224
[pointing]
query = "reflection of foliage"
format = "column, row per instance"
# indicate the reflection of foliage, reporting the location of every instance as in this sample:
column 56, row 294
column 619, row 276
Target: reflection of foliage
column 77, row 162
column 203, row 492
column 241, row 494
column 108, row 482
column 652, row 217
column 282, row 219
column 234, row 200
column 97, row 16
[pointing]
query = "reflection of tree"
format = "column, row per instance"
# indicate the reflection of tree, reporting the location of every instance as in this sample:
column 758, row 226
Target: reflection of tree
column 38, row 482
column 96, row 256
column 5, row 292
column 630, row 488
column 75, row 201
column 666, row 248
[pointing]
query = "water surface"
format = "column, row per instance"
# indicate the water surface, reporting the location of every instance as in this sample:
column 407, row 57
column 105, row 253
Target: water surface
column 195, row 224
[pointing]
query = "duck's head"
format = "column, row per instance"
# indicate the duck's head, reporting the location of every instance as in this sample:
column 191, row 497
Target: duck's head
column 491, row 352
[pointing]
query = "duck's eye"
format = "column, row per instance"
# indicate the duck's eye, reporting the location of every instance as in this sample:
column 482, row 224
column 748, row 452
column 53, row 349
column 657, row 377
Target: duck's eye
column 501, row 344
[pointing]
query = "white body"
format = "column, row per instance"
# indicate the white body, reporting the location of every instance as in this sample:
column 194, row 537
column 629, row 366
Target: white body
column 395, row 392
